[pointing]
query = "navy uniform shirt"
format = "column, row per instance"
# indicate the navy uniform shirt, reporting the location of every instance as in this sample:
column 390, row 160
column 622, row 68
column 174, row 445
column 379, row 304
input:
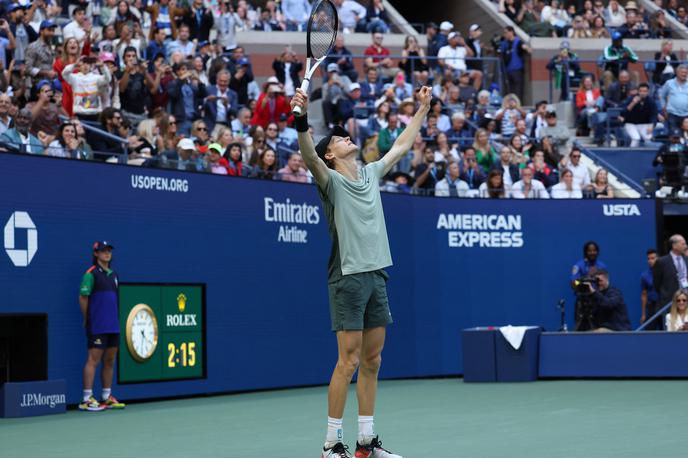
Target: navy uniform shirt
column 647, row 284
column 101, row 286
column 582, row 268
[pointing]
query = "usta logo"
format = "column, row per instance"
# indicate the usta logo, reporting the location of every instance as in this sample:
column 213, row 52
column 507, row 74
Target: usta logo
column 620, row 210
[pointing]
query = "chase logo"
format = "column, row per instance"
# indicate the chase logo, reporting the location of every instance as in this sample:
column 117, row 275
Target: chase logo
column 620, row 210
column 21, row 221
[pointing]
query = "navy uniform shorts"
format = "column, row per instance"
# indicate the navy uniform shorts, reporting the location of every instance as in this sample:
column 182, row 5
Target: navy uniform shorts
column 102, row 341
column 359, row 301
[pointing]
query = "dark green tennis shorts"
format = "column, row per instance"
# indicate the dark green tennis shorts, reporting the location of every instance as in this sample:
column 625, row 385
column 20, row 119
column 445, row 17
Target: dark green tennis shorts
column 359, row 301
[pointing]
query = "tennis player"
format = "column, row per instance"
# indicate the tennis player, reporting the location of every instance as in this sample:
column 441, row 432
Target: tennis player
column 357, row 282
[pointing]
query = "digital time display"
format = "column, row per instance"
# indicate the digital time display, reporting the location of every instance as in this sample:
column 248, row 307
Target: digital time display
column 185, row 354
column 179, row 314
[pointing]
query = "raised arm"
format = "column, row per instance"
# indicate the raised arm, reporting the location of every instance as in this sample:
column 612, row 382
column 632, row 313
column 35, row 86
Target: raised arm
column 316, row 165
column 405, row 140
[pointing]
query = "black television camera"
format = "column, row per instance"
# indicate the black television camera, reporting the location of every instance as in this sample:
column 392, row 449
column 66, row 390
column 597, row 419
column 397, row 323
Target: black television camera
column 673, row 165
column 585, row 303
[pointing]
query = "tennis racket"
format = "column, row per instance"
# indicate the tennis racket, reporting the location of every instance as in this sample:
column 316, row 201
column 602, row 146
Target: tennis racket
column 320, row 35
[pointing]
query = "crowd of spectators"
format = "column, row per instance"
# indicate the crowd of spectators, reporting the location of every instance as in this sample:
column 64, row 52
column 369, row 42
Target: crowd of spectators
column 589, row 18
column 170, row 86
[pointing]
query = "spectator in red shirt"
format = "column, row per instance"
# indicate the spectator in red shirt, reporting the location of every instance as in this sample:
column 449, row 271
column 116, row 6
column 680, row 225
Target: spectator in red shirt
column 236, row 166
column 270, row 105
column 378, row 57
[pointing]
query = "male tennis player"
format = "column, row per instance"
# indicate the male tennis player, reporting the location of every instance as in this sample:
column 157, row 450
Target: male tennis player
column 357, row 284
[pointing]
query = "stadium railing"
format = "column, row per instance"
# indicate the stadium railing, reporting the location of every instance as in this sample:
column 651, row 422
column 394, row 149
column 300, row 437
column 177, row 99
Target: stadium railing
column 647, row 64
column 491, row 66
column 96, row 132
column 660, row 313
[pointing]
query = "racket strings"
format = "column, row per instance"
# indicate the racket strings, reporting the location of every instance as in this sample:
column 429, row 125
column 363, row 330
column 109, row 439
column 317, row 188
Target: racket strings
column 323, row 32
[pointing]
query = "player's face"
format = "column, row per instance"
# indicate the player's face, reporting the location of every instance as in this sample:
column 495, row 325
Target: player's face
column 342, row 147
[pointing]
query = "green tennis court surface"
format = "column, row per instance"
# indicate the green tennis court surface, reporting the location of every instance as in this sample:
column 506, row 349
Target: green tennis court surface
column 417, row 418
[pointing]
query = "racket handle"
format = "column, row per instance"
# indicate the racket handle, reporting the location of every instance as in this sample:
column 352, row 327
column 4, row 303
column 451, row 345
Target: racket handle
column 305, row 84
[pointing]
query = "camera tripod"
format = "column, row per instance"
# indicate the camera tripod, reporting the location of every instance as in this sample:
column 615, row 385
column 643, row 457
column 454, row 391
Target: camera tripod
column 584, row 318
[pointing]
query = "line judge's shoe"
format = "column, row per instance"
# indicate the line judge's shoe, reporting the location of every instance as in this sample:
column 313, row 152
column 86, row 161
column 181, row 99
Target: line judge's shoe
column 112, row 403
column 373, row 450
column 91, row 405
column 338, row 451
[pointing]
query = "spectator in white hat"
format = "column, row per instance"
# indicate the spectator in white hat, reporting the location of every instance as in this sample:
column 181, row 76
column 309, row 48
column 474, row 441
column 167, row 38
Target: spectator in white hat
column 473, row 42
column 333, row 90
column 446, row 28
column 453, row 57
column 187, row 156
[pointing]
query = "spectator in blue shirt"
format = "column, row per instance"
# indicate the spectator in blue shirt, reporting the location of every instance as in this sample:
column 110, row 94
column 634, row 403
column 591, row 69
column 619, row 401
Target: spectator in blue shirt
column 156, row 47
column 433, row 42
column 460, row 132
column 342, row 57
column 513, row 50
column 182, row 44
column 648, row 294
column 185, row 95
column 673, row 98
column 377, row 17
column 472, row 174
column 296, row 14
column 7, row 42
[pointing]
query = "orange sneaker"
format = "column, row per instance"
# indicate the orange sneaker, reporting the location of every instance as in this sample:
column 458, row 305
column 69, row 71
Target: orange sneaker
column 112, row 403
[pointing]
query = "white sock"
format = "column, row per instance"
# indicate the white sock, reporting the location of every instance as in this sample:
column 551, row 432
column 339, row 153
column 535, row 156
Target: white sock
column 335, row 432
column 106, row 393
column 87, row 394
column 365, row 430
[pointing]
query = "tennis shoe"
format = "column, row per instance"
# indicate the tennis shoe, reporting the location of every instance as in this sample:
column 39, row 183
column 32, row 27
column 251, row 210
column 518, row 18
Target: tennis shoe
column 112, row 403
column 91, row 405
column 338, row 451
column 373, row 450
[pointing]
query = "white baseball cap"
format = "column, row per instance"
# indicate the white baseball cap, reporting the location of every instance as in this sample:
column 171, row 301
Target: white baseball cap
column 453, row 35
column 186, row 143
column 474, row 27
column 332, row 67
column 446, row 25
column 354, row 86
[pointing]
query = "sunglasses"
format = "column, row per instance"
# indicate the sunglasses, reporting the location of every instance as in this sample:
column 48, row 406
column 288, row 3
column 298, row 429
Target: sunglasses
column 575, row 156
column 681, row 300
column 202, row 128
column 172, row 123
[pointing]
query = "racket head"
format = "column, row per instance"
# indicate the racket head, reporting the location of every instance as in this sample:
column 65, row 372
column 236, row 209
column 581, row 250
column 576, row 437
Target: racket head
column 321, row 31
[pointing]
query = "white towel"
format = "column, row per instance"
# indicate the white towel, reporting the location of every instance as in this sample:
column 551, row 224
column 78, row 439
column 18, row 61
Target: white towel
column 514, row 334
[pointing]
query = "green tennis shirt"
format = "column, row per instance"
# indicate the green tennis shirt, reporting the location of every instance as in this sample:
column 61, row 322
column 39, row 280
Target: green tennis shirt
column 356, row 222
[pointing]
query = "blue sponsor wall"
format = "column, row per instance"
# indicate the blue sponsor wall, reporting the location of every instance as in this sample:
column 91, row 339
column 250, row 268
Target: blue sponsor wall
column 267, row 312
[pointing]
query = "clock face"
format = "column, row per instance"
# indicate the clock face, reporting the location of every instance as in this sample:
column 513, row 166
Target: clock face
column 142, row 332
